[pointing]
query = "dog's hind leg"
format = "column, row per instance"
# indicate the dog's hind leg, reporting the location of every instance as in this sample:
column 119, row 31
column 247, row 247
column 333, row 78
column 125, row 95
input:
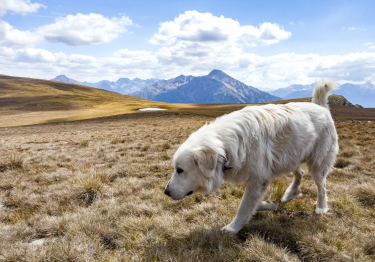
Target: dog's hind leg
column 319, row 176
column 294, row 190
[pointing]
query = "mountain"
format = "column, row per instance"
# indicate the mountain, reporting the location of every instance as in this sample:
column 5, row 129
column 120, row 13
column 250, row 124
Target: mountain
column 65, row 79
column 122, row 85
column 154, row 90
column 362, row 94
column 216, row 87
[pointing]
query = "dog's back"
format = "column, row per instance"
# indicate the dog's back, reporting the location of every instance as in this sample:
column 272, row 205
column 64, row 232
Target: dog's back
column 285, row 135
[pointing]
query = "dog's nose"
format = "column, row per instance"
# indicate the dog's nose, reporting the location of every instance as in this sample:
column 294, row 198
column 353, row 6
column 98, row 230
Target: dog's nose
column 166, row 191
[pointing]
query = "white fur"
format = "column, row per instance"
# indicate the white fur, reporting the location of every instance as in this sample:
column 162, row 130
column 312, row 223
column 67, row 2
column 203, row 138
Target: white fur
column 259, row 143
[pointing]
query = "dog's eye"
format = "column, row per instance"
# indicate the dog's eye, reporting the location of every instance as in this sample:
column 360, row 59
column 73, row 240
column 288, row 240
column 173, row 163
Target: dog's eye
column 179, row 170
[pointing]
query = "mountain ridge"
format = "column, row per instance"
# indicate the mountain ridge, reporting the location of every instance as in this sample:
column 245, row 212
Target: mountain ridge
column 218, row 87
column 123, row 86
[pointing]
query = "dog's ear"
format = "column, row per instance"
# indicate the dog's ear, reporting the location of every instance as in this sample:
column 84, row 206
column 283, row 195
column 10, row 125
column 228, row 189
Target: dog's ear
column 207, row 161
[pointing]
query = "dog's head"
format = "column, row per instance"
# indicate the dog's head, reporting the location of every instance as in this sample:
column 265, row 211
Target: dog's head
column 195, row 170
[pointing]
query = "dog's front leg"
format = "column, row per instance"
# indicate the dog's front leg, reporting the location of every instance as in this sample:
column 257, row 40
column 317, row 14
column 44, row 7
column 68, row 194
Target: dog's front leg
column 253, row 195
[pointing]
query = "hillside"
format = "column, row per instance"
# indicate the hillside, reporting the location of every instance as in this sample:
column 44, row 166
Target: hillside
column 216, row 87
column 30, row 101
column 332, row 100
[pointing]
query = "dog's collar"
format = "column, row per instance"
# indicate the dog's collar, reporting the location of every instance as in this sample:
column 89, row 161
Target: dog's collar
column 225, row 164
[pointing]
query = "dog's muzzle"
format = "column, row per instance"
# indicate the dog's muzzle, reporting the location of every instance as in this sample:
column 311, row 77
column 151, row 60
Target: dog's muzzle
column 166, row 191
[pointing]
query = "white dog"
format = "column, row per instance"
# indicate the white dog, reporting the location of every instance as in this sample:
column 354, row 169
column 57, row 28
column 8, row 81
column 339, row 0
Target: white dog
column 254, row 145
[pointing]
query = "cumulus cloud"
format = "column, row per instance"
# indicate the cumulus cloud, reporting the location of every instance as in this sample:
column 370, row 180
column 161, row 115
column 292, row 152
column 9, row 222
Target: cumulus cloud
column 84, row 29
column 192, row 44
column 193, row 26
column 19, row 6
column 11, row 37
column 73, row 30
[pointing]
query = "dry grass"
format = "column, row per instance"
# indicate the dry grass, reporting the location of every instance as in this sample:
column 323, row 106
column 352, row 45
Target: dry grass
column 65, row 199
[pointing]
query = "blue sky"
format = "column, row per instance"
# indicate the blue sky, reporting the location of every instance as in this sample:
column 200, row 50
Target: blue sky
column 267, row 44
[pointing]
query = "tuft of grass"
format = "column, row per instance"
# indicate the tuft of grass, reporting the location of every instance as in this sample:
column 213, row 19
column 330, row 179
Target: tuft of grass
column 117, row 140
column 366, row 195
column 145, row 148
column 91, row 185
column 258, row 249
column 347, row 154
column 165, row 146
column 84, row 143
column 155, row 168
column 369, row 247
column 165, row 157
column 341, row 163
column 12, row 162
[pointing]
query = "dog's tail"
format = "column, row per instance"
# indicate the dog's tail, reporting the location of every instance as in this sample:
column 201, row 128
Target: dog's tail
column 321, row 92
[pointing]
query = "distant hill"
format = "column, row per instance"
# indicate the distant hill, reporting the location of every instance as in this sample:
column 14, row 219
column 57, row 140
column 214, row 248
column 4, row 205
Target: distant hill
column 122, row 85
column 216, row 87
column 29, row 101
column 336, row 100
column 363, row 94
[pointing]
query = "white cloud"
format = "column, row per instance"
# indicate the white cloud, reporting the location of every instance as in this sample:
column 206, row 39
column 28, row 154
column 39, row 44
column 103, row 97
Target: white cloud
column 19, row 6
column 267, row 34
column 11, row 37
column 71, row 30
column 84, row 29
column 372, row 47
column 368, row 43
column 193, row 26
column 33, row 55
column 193, row 44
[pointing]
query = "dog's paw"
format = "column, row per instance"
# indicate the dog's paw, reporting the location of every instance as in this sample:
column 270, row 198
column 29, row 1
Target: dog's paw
column 267, row 206
column 229, row 229
column 321, row 210
column 290, row 196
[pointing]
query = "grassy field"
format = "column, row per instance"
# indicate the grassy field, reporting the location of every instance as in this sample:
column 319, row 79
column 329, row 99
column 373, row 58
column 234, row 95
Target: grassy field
column 92, row 190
